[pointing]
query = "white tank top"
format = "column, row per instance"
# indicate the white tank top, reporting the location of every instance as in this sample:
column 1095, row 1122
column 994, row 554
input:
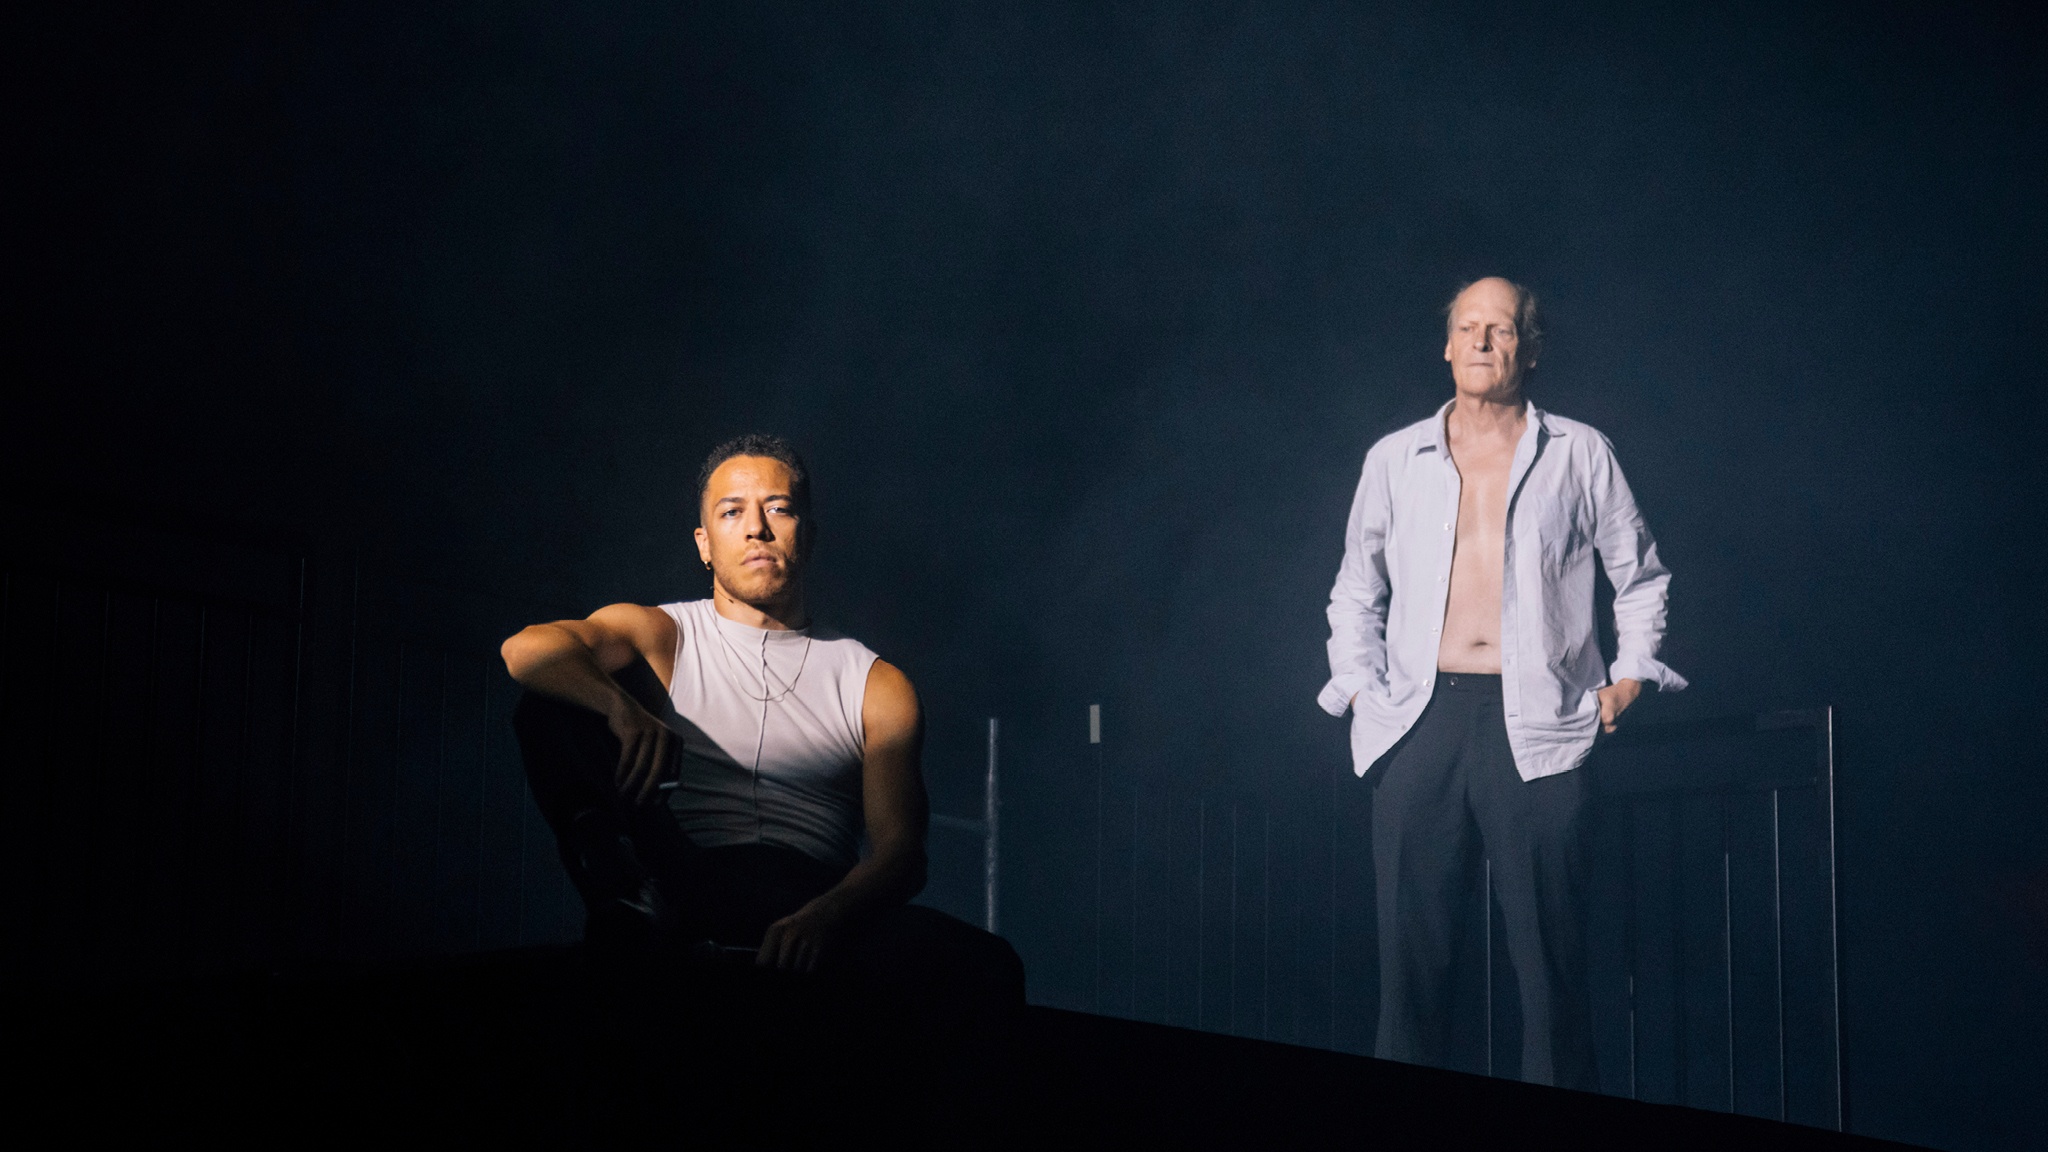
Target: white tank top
column 772, row 734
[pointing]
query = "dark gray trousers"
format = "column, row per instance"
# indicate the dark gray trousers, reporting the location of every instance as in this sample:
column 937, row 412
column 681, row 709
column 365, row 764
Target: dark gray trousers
column 1446, row 798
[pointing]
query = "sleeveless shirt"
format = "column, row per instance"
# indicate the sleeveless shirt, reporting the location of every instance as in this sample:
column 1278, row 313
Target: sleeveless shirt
column 771, row 734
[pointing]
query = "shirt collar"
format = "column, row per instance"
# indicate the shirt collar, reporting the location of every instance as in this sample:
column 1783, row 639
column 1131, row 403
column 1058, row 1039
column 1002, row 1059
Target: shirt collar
column 1434, row 442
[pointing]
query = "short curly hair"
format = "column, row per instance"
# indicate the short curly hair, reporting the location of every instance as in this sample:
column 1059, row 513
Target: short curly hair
column 1528, row 317
column 764, row 445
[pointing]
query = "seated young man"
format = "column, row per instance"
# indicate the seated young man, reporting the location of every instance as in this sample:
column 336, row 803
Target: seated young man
column 708, row 766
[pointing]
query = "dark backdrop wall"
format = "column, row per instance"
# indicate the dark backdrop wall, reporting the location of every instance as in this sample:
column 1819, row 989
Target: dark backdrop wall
column 1086, row 315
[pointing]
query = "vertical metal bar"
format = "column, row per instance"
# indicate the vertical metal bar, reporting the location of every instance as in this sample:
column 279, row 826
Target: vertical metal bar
column 991, row 806
column 1827, row 779
column 1628, row 935
column 1266, row 941
column 1166, row 954
column 1093, row 731
column 1728, row 950
column 1230, row 1014
column 1298, row 960
column 1486, row 916
column 1778, row 942
column 1681, row 976
column 1201, row 907
column 1133, row 1006
column 1335, row 818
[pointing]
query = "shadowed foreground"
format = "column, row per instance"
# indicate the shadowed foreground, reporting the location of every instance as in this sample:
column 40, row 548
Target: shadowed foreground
column 559, row 1048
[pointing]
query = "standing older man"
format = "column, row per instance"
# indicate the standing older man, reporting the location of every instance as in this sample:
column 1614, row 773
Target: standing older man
column 1462, row 637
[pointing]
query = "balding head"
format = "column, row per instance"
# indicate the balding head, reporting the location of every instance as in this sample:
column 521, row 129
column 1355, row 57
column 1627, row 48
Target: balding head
column 1494, row 335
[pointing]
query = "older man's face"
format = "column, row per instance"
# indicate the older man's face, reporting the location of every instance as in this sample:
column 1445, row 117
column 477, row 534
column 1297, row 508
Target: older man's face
column 1483, row 350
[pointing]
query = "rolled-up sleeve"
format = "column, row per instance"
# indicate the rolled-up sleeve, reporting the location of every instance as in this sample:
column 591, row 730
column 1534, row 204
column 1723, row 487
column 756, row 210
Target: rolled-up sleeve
column 1642, row 584
column 1358, row 600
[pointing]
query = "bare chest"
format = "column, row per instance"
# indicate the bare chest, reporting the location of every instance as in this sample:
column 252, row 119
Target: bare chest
column 1483, row 491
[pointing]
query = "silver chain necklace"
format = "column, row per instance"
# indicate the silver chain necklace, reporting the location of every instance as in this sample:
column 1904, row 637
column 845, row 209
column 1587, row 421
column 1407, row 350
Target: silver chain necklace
column 729, row 650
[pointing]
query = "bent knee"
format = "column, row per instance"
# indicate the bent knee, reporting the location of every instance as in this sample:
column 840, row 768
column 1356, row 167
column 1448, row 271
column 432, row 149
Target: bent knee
column 536, row 710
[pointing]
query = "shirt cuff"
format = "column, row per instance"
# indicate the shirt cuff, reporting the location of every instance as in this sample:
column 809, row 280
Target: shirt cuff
column 1335, row 697
column 1646, row 670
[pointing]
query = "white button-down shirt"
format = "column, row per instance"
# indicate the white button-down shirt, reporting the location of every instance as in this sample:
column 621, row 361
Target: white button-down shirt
column 1566, row 500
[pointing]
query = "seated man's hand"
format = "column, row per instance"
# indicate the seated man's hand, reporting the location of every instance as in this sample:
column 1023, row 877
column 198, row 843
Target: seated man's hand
column 799, row 940
column 643, row 752
column 1615, row 699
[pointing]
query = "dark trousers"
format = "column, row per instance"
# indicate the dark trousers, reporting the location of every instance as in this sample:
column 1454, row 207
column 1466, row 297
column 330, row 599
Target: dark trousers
column 1444, row 796
column 908, row 1028
column 731, row 894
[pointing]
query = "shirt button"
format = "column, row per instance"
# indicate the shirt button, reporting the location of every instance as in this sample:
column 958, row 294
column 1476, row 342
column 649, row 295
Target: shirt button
column 1447, row 526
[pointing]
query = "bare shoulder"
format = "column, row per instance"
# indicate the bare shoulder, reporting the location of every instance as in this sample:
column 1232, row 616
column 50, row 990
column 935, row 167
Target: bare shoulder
column 633, row 620
column 648, row 631
column 890, row 707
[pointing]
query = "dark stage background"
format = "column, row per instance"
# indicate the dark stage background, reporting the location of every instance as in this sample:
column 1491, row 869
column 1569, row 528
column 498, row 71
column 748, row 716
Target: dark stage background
column 1085, row 315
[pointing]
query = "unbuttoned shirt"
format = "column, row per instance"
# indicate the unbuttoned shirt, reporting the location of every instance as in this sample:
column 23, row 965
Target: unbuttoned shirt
column 1566, row 501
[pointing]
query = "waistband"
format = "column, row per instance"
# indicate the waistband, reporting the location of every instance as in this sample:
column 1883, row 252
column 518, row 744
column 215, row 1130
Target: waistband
column 1469, row 682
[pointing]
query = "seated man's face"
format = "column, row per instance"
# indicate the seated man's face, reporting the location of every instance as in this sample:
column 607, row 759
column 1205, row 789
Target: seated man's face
column 752, row 535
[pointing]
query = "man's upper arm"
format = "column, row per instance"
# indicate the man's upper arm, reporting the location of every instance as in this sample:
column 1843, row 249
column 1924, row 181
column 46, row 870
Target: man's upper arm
column 1360, row 596
column 1641, row 582
column 892, row 777
column 619, row 632
column 1626, row 548
column 1362, row 576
